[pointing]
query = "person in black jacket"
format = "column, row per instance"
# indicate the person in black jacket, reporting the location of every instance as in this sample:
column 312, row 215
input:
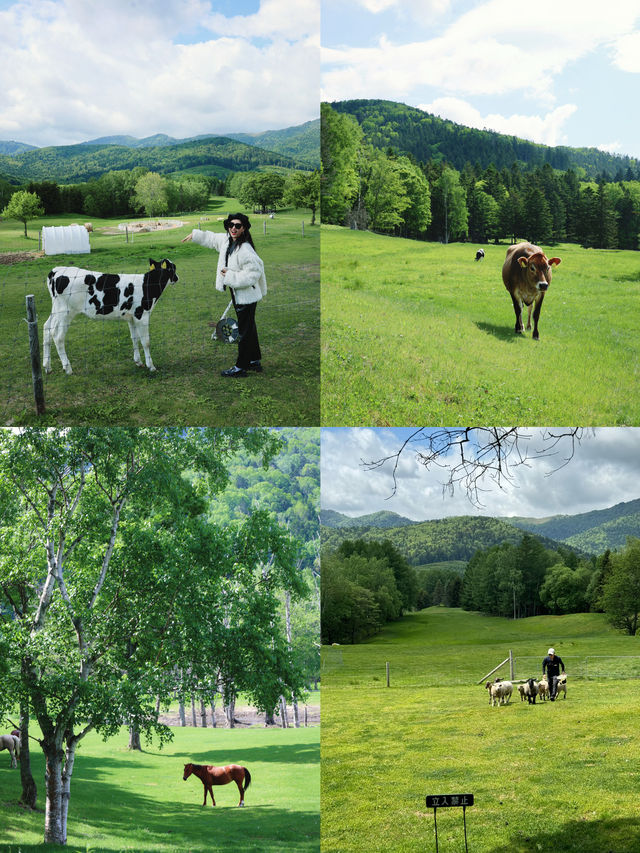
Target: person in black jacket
column 552, row 664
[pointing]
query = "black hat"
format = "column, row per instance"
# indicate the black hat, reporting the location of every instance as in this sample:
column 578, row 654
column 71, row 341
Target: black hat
column 241, row 216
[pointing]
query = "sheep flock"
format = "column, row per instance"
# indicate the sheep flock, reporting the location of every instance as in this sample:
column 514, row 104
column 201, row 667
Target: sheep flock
column 500, row 691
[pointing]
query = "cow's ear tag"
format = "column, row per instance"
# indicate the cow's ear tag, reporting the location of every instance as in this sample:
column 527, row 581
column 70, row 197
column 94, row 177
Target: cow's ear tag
column 164, row 265
column 523, row 262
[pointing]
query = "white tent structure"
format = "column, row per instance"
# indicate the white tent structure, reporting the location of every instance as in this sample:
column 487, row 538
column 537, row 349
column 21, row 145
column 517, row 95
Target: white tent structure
column 65, row 240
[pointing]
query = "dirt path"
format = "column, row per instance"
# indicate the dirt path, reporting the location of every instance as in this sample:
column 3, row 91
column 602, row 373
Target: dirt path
column 245, row 717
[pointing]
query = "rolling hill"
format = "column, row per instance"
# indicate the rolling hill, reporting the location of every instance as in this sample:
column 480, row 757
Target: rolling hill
column 426, row 137
column 445, row 539
column 291, row 148
column 459, row 537
column 591, row 531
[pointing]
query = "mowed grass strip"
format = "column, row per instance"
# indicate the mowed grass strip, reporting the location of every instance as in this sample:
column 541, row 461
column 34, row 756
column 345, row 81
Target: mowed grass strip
column 555, row 776
column 107, row 387
column 421, row 332
column 138, row 801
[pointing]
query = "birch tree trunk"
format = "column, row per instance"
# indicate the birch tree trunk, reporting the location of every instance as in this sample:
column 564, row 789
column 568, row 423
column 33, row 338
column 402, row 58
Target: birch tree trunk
column 203, row 714
column 230, row 713
column 134, row 738
column 287, row 611
column 193, row 711
column 213, row 712
column 284, row 720
column 53, row 828
column 183, row 721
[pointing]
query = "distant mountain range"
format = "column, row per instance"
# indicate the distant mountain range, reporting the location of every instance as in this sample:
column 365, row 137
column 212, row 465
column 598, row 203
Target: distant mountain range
column 458, row 538
column 291, row 148
column 425, row 136
column 330, row 518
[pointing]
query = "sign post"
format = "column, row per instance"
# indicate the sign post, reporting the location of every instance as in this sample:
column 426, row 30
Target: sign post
column 447, row 801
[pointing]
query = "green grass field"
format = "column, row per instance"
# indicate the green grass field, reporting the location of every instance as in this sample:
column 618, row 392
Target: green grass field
column 420, row 333
column 555, row 776
column 122, row 800
column 107, row 388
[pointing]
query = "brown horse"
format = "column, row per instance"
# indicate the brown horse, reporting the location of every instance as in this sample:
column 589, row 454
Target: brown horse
column 210, row 775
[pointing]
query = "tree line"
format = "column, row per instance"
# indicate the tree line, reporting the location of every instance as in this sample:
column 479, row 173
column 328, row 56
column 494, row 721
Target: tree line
column 130, row 193
column 390, row 191
column 528, row 580
column 367, row 584
column 364, row 586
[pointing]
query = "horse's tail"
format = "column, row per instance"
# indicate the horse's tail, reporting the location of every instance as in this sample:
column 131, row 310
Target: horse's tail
column 247, row 778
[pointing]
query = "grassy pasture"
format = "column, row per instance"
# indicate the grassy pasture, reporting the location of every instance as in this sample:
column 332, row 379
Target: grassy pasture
column 106, row 386
column 122, row 800
column 420, row 333
column 555, row 776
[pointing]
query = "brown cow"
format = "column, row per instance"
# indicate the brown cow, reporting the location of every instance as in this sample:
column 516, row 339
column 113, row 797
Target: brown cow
column 526, row 273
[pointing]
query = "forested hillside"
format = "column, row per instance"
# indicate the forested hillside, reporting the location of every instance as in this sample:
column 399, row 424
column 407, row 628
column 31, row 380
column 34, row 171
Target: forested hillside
column 444, row 539
column 592, row 531
column 427, row 137
column 330, row 518
column 77, row 163
column 396, row 170
column 301, row 142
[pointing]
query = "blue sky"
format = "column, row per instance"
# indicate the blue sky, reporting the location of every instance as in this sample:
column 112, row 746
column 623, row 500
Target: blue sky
column 604, row 471
column 74, row 70
column 560, row 73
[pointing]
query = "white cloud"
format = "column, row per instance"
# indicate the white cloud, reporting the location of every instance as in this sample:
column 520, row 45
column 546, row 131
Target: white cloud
column 72, row 70
column 546, row 129
column 274, row 18
column 498, row 47
column 420, row 9
column 611, row 147
column 627, row 53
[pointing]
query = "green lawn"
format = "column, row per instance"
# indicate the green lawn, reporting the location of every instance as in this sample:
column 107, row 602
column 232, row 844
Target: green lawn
column 122, row 800
column 418, row 332
column 106, row 386
column 555, row 776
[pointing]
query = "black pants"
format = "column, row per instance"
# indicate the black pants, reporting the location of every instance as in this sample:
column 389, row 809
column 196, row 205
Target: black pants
column 248, row 344
column 553, row 685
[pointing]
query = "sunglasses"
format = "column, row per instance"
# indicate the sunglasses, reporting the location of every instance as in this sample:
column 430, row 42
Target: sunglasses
column 235, row 225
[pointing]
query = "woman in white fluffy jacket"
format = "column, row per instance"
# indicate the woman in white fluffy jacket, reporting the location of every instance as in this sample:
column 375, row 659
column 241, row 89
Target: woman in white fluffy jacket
column 242, row 271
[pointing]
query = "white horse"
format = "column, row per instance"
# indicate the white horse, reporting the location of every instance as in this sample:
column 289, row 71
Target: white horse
column 12, row 743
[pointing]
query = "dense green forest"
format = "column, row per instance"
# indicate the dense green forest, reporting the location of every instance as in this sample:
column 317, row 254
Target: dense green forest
column 289, row 488
column 591, row 531
column 396, row 170
column 330, row 518
column 215, row 155
column 501, row 567
column 456, row 538
column 387, row 124
column 364, row 586
column 302, row 142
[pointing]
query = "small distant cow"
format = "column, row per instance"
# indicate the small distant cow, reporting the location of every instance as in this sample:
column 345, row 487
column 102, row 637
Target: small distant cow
column 130, row 297
column 479, row 254
column 526, row 274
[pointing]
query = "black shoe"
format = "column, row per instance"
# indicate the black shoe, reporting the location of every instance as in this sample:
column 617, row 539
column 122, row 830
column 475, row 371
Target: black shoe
column 552, row 698
column 234, row 371
column 254, row 365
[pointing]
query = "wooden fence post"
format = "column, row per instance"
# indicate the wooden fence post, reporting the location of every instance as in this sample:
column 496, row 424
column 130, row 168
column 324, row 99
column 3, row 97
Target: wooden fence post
column 34, row 348
column 387, row 673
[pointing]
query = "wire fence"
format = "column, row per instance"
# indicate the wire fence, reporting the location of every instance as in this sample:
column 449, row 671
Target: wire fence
column 422, row 671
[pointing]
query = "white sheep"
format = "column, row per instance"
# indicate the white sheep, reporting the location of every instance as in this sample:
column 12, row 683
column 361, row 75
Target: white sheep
column 543, row 688
column 499, row 692
column 562, row 685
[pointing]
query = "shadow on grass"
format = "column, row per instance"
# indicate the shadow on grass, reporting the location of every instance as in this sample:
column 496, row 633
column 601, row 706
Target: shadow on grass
column 603, row 836
column 503, row 333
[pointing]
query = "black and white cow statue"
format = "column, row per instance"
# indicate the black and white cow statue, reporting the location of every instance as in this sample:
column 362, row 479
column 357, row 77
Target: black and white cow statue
column 129, row 297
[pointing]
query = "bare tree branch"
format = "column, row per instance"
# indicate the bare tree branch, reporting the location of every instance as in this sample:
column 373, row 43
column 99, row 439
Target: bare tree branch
column 473, row 456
